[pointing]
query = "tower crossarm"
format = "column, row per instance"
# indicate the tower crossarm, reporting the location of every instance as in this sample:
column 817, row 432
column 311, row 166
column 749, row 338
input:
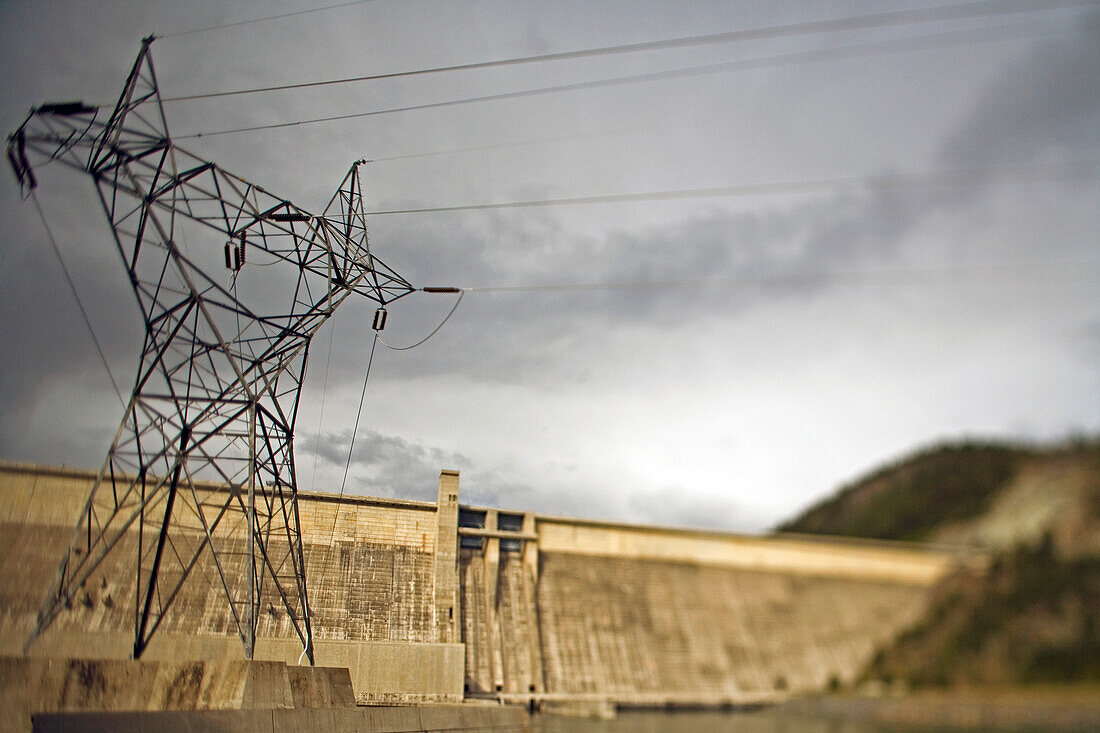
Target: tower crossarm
column 143, row 171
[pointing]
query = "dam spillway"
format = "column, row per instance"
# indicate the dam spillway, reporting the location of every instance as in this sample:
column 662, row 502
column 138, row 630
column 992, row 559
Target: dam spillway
column 440, row 601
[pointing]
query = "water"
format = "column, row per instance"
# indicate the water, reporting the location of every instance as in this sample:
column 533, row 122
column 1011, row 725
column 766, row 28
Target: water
column 732, row 722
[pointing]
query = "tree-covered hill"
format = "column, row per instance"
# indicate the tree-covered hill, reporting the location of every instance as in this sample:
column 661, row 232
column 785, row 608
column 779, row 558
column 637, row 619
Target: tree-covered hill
column 1032, row 618
column 980, row 494
column 1034, row 615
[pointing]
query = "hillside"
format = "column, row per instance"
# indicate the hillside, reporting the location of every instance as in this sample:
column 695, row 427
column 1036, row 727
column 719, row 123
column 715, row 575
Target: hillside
column 1034, row 616
column 981, row 495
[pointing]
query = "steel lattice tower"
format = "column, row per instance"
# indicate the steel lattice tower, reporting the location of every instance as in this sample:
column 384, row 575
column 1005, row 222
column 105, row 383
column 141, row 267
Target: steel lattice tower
column 203, row 460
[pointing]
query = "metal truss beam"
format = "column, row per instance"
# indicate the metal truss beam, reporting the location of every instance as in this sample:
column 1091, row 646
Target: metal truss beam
column 202, row 463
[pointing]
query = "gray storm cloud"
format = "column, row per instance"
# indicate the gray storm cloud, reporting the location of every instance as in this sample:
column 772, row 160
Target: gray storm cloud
column 1039, row 110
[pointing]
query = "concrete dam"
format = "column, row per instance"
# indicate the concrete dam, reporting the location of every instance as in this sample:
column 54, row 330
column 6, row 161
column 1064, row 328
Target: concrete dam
column 440, row 601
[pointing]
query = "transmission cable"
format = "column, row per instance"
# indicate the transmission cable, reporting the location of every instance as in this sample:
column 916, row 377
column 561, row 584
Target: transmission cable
column 434, row 330
column 942, row 13
column 523, row 143
column 1075, row 171
column 76, row 295
column 351, row 449
column 358, row 413
column 876, row 48
column 280, row 16
column 351, row 446
column 915, row 275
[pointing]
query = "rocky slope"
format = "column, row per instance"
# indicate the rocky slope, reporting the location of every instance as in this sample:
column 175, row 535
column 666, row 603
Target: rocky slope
column 1034, row 615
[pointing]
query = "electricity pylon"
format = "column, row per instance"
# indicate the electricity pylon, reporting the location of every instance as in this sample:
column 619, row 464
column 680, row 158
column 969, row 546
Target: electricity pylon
column 203, row 460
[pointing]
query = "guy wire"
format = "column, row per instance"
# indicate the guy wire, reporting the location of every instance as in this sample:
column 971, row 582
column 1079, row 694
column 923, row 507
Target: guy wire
column 354, row 430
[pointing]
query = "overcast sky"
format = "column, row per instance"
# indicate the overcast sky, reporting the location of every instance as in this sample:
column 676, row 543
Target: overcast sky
column 939, row 279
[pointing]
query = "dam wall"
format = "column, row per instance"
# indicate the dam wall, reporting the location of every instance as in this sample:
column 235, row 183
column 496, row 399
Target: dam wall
column 440, row 601
column 371, row 570
column 560, row 608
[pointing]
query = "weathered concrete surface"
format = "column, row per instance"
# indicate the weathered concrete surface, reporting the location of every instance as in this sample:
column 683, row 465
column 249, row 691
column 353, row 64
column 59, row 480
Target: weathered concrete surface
column 445, row 598
column 48, row 685
column 321, row 687
column 369, row 563
column 370, row 566
column 650, row 629
column 893, row 562
column 34, row 685
column 434, row 718
column 649, row 616
column 379, row 671
column 539, row 606
column 503, row 652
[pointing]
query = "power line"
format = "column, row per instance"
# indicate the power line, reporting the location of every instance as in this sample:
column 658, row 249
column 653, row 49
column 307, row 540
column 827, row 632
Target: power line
column 435, row 330
column 1080, row 170
column 521, row 143
column 961, row 11
column 351, row 446
column 892, row 276
column 918, row 43
column 280, row 16
column 358, row 414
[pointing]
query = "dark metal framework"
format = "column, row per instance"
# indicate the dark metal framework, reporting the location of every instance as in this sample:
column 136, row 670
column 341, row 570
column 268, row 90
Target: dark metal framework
column 203, row 460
